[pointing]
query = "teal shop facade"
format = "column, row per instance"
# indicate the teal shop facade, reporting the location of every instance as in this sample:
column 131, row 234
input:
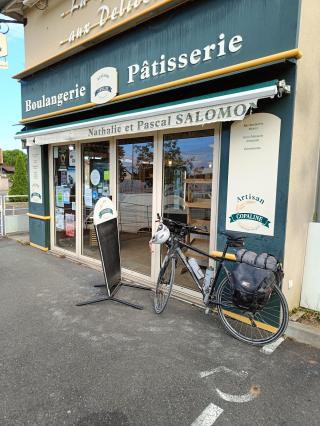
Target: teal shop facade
column 192, row 114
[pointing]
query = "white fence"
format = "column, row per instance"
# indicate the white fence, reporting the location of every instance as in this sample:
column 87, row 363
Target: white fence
column 310, row 296
column 135, row 213
column 1, row 217
column 13, row 214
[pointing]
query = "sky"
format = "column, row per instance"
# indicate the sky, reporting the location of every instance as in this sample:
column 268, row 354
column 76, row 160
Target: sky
column 10, row 105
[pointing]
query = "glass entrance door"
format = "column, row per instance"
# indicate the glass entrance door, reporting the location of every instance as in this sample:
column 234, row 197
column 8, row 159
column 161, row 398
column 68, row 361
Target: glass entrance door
column 135, row 183
column 188, row 169
column 64, row 191
column 95, row 184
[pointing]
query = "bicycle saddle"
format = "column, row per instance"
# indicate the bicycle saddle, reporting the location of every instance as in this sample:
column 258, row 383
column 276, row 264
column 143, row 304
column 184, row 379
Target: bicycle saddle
column 234, row 239
column 233, row 235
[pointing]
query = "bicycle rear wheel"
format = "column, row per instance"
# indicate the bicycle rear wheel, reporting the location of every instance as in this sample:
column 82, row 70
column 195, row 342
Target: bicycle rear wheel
column 263, row 327
column 164, row 284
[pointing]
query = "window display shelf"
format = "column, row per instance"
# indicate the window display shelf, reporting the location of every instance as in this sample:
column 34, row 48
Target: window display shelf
column 193, row 180
column 200, row 222
column 199, row 204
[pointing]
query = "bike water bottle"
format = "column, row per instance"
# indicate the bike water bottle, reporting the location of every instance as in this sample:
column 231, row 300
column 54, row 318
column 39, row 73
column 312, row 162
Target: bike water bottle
column 196, row 268
column 207, row 283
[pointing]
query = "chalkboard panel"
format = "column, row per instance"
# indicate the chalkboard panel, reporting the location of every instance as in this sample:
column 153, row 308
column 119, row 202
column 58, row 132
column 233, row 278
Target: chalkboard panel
column 108, row 239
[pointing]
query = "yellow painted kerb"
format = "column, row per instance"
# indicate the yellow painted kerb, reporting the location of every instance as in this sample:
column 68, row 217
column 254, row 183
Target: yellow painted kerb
column 288, row 54
column 246, row 320
column 37, row 216
column 38, row 247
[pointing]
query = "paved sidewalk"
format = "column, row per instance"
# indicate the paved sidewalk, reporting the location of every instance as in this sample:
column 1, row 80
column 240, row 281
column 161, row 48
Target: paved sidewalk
column 108, row 364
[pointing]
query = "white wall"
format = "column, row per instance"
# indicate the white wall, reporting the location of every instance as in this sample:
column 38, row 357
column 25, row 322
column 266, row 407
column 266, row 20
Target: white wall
column 305, row 151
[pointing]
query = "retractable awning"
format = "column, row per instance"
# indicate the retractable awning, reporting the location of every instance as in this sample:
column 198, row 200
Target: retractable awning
column 232, row 105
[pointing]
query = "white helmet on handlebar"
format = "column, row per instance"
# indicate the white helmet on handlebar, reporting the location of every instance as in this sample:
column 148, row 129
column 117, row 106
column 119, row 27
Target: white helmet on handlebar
column 161, row 235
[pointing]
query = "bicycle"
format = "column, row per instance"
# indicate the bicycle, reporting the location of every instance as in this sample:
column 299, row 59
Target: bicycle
column 257, row 328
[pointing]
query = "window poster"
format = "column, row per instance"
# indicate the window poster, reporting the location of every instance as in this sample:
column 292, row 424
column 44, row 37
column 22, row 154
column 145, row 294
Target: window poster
column 63, row 177
column 253, row 172
column 88, row 197
column 105, row 190
column 66, row 195
column 62, row 158
column 72, row 158
column 95, row 195
column 59, row 196
column 35, row 174
column 71, row 175
column 59, row 219
column 69, row 225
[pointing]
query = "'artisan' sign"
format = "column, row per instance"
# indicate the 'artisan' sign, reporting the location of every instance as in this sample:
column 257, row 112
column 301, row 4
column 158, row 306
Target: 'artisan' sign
column 253, row 172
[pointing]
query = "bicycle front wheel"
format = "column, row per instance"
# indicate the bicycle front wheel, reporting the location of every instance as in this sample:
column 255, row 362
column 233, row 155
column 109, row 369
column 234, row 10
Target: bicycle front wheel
column 263, row 327
column 164, row 284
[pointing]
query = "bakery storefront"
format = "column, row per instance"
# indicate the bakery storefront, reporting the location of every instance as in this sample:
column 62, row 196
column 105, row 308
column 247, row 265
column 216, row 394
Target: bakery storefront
column 187, row 112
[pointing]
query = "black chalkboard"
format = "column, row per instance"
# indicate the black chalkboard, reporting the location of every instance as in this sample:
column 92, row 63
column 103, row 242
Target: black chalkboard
column 108, row 239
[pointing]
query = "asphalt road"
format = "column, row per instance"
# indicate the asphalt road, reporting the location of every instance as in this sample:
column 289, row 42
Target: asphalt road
column 108, row 364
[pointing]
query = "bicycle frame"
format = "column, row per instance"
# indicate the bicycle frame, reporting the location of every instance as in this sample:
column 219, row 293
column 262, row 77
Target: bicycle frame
column 175, row 247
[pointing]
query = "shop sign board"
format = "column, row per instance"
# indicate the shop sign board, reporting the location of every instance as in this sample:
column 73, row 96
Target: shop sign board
column 104, row 16
column 118, row 125
column 35, row 175
column 106, row 225
column 194, row 41
column 67, row 24
column 253, row 173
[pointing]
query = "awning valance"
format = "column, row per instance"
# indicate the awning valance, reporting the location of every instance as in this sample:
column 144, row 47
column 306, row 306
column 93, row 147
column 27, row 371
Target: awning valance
column 218, row 107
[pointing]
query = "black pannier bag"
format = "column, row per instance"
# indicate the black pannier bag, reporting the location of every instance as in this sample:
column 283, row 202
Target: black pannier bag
column 253, row 280
column 252, row 287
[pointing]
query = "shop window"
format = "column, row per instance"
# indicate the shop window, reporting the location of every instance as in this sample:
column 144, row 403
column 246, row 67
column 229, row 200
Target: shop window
column 187, row 187
column 135, row 183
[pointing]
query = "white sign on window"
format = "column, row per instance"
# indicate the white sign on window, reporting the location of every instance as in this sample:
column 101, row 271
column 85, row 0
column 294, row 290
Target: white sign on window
column 253, row 172
column 35, row 174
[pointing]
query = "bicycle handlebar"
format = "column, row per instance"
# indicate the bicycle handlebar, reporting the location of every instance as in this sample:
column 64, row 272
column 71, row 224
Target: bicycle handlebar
column 183, row 226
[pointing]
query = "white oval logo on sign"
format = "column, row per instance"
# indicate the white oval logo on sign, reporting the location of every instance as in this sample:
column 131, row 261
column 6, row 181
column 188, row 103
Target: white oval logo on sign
column 104, row 85
column 104, row 210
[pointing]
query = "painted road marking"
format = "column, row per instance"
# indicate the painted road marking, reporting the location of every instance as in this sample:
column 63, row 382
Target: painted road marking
column 253, row 393
column 223, row 369
column 269, row 349
column 208, row 416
